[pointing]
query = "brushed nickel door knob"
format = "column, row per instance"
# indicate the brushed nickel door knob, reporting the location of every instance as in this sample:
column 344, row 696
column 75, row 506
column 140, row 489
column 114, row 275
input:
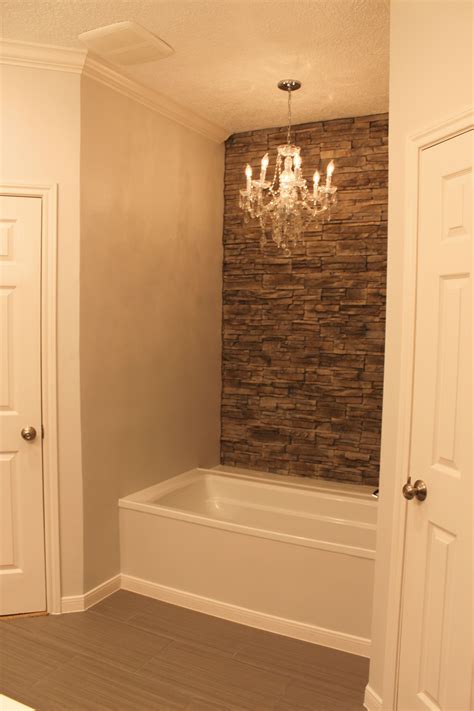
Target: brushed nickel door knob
column 28, row 433
column 418, row 490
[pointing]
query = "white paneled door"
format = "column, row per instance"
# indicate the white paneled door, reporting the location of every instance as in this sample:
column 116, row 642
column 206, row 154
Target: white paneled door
column 436, row 641
column 22, row 558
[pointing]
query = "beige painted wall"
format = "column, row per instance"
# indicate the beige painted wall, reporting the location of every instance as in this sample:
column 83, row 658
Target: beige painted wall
column 430, row 80
column 40, row 131
column 151, row 233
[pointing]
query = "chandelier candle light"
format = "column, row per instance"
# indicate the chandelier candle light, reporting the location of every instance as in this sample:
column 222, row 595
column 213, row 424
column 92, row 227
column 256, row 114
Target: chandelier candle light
column 285, row 206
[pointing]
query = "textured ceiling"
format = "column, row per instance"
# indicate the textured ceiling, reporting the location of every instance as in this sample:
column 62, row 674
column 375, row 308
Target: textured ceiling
column 229, row 54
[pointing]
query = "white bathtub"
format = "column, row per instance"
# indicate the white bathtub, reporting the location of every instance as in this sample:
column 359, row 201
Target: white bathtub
column 292, row 556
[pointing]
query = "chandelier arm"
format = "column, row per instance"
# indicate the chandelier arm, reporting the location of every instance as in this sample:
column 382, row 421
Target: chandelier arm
column 285, row 207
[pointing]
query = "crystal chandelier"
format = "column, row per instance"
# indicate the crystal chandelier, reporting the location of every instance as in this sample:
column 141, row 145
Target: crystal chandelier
column 285, row 206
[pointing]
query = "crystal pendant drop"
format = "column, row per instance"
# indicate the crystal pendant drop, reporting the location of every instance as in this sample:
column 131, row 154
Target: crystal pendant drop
column 285, row 206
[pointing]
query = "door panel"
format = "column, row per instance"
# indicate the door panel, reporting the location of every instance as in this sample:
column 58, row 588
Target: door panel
column 22, row 571
column 7, row 511
column 436, row 646
column 453, row 303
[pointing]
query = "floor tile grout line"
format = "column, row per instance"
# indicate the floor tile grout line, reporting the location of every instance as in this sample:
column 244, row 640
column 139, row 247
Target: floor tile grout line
column 131, row 617
column 110, row 617
column 121, row 622
column 239, row 648
column 34, row 636
column 197, row 694
column 148, row 604
column 202, row 696
column 180, row 639
column 53, row 671
column 88, row 653
column 262, row 669
column 231, row 646
column 154, row 656
column 229, row 658
column 143, row 630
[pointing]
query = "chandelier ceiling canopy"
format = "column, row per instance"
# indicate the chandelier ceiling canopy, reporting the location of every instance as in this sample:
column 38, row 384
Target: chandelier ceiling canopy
column 285, row 206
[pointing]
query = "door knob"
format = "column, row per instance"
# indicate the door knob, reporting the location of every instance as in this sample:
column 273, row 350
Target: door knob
column 417, row 490
column 28, row 433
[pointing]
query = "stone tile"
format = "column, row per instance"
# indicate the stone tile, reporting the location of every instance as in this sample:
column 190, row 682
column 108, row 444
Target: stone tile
column 327, row 300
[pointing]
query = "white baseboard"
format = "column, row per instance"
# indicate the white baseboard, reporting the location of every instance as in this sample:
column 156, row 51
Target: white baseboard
column 227, row 611
column 79, row 603
column 260, row 620
column 372, row 700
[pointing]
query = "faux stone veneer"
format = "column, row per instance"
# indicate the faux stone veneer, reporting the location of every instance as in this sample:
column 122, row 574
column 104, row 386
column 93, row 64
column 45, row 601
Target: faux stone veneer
column 303, row 337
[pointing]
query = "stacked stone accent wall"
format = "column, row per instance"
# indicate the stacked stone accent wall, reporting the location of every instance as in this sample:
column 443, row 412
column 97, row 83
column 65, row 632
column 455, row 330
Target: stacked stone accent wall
column 303, row 336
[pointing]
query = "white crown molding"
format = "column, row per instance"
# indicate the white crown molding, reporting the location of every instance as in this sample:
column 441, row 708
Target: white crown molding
column 103, row 73
column 77, row 61
column 42, row 56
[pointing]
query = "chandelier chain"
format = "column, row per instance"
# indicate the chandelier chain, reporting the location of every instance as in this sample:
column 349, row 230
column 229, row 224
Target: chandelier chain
column 288, row 138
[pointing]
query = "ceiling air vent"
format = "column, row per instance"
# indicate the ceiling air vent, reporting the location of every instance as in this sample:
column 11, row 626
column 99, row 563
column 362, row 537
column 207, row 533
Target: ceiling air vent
column 125, row 43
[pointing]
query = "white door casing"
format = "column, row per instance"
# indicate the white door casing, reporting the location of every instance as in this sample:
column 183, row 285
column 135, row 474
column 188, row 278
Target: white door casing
column 436, row 645
column 22, row 554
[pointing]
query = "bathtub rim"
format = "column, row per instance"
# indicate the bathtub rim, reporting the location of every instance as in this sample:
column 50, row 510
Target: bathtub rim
column 340, row 488
column 140, row 501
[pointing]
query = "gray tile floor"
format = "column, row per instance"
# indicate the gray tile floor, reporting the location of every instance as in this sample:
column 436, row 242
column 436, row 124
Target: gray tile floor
column 131, row 652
